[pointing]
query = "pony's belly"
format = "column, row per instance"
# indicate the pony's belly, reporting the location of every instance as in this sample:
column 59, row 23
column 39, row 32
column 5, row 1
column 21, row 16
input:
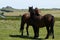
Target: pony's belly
column 41, row 25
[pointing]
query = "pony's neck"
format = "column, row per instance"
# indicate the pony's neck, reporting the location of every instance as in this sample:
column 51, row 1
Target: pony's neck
column 32, row 14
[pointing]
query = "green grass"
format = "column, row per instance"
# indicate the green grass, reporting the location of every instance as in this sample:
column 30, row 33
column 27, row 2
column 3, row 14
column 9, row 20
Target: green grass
column 11, row 27
column 19, row 18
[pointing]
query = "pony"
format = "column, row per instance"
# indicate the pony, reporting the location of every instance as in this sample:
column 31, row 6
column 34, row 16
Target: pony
column 39, row 22
column 26, row 19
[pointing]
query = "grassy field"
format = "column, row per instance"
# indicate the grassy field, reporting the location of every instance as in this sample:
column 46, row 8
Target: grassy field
column 9, row 29
column 56, row 13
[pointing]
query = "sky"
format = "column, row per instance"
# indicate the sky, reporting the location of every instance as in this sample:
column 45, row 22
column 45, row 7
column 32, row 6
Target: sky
column 24, row 4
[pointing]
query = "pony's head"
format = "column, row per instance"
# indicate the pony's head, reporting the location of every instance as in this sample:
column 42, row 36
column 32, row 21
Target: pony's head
column 31, row 10
column 36, row 10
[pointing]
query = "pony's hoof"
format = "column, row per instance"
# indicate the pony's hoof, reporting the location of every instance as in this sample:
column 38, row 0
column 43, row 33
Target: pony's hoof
column 46, row 38
column 53, row 38
column 27, row 35
column 22, row 35
column 35, row 37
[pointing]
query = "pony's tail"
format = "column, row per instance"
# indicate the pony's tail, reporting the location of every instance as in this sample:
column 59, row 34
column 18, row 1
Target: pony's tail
column 53, row 19
column 22, row 24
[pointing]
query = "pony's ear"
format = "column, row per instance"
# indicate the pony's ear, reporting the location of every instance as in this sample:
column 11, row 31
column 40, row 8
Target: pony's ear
column 32, row 6
column 29, row 6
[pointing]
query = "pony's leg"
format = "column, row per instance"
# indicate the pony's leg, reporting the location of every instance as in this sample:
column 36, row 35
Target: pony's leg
column 22, row 28
column 27, row 30
column 53, row 33
column 36, row 31
column 52, row 30
column 52, row 27
column 47, row 36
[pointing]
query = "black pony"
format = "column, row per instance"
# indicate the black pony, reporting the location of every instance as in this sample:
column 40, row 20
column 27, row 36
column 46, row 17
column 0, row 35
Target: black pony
column 39, row 22
column 26, row 19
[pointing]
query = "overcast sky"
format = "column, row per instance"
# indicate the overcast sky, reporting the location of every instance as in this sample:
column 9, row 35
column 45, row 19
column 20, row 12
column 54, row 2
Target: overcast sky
column 23, row 4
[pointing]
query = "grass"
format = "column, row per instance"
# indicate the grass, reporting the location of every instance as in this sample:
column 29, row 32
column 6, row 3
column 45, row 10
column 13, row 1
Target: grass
column 56, row 13
column 9, row 30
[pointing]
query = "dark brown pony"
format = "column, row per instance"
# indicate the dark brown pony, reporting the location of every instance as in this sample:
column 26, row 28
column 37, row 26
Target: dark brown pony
column 39, row 22
column 26, row 19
